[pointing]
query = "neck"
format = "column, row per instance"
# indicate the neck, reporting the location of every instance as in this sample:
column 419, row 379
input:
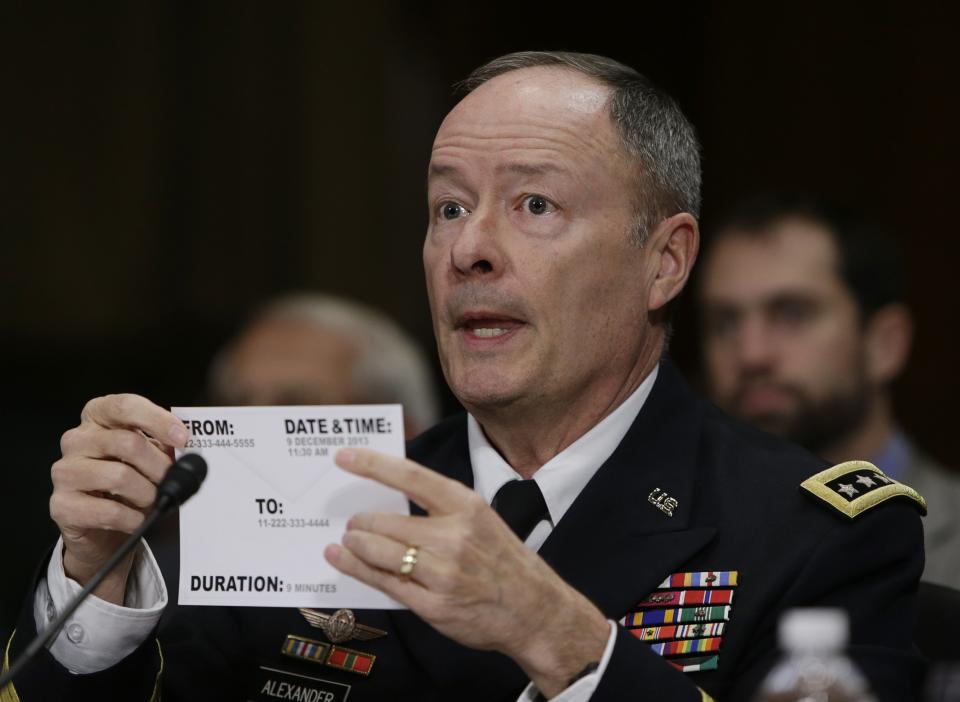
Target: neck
column 529, row 436
column 870, row 439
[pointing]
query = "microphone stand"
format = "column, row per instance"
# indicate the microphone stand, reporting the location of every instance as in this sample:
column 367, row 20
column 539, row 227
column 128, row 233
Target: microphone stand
column 164, row 502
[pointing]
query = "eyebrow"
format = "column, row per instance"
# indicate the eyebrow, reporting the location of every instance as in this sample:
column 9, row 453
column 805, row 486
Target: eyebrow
column 775, row 299
column 531, row 169
column 528, row 168
column 440, row 169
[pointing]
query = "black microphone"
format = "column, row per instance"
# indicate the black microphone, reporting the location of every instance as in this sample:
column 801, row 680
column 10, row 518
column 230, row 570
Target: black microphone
column 182, row 480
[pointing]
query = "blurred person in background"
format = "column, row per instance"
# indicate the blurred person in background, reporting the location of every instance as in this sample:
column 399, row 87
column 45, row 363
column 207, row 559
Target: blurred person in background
column 804, row 330
column 315, row 349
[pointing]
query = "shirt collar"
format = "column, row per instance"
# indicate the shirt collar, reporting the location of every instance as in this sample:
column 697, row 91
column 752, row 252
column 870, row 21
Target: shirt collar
column 562, row 477
column 895, row 456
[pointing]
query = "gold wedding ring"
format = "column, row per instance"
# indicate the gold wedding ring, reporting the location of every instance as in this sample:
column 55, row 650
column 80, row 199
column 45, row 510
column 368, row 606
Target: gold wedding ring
column 409, row 561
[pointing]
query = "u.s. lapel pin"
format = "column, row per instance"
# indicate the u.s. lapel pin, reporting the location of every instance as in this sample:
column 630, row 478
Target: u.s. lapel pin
column 662, row 501
column 341, row 625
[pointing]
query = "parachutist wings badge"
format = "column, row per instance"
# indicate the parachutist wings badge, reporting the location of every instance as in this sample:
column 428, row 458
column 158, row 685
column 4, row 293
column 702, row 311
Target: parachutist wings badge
column 341, row 625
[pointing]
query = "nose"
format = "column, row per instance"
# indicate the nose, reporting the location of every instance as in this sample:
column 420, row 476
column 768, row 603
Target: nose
column 756, row 348
column 477, row 250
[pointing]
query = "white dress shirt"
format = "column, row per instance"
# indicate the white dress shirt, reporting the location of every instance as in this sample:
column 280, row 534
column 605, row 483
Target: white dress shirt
column 561, row 479
column 101, row 634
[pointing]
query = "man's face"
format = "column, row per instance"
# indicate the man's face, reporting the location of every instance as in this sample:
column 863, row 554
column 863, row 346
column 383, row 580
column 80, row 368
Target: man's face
column 782, row 337
column 535, row 287
column 281, row 361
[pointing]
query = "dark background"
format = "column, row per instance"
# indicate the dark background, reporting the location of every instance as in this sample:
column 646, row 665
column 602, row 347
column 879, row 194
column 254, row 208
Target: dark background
column 164, row 167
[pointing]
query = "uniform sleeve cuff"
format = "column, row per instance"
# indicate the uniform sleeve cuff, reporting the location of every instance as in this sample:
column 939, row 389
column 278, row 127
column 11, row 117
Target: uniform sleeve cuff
column 100, row 634
column 582, row 689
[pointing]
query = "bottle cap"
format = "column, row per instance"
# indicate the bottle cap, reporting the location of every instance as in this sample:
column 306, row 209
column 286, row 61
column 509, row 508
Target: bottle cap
column 810, row 629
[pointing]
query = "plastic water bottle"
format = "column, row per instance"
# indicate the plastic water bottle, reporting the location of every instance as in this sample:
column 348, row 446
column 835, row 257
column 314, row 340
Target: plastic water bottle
column 814, row 667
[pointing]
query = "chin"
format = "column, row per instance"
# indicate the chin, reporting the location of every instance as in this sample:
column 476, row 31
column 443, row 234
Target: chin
column 776, row 424
column 476, row 393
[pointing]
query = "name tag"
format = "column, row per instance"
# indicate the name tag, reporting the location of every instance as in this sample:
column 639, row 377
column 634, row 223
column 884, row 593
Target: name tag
column 273, row 684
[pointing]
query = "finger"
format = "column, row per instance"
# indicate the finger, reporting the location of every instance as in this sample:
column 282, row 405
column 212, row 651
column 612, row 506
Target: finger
column 167, row 450
column 129, row 446
column 136, row 412
column 434, row 492
column 400, row 527
column 111, row 477
column 77, row 510
column 405, row 591
column 381, row 553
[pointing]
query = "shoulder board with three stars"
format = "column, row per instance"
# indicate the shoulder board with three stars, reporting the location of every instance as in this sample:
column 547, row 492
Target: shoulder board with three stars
column 855, row 486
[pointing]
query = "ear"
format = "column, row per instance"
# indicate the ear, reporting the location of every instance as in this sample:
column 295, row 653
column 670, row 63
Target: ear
column 888, row 336
column 672, row 248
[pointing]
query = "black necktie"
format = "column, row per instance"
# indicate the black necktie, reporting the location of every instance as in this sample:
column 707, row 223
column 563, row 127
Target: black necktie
column 521, row 505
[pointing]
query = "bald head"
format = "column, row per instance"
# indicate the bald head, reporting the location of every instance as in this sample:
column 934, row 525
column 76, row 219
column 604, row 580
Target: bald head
column 314, row 349
column 652, row 130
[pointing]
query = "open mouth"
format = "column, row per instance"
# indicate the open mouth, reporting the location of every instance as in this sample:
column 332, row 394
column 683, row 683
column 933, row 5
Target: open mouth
column 484, row 326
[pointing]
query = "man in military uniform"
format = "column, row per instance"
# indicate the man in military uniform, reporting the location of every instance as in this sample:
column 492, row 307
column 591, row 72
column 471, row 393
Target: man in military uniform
column 650, row 548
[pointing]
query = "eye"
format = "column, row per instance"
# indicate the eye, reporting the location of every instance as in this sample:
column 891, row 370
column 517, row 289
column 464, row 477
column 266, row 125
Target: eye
column 721, row 323
column 453, row 210
column 538, row 205
column 794, row 312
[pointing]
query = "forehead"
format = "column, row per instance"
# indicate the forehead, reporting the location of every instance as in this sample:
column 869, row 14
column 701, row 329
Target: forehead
column 281, row 342
column 543, row 111
column 792, row 255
